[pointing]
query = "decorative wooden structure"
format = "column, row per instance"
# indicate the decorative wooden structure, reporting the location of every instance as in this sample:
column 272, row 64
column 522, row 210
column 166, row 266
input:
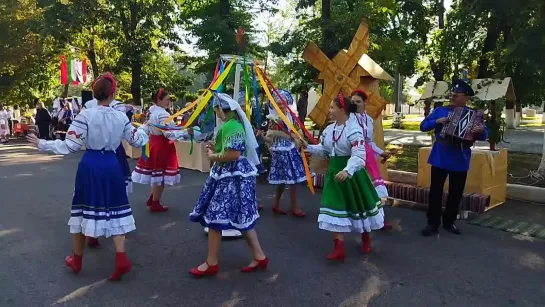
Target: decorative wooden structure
column 349, row 70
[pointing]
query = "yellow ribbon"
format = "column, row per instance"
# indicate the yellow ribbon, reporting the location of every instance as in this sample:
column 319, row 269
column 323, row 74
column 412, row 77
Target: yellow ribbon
column 203, row 98
column 290, row 126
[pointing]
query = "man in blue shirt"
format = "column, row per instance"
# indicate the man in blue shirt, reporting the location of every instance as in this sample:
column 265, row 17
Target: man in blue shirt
column 450, row 159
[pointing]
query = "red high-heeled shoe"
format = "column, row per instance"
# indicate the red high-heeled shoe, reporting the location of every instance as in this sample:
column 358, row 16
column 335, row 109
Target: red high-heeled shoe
column 210, row 271
column 92, row 242
column 157, row 207
column 387, row 226
column 122, row 267
column 366, row 242
column 261, row 265
column 277, row 210
column 298, row 214
column 74, row 262
column 339, row 252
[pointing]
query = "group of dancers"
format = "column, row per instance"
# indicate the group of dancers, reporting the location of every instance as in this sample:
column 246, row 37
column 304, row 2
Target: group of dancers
column 351, row 200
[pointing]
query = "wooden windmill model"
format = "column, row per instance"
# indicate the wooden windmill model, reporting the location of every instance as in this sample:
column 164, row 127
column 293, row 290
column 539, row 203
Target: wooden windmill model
column 349, row 70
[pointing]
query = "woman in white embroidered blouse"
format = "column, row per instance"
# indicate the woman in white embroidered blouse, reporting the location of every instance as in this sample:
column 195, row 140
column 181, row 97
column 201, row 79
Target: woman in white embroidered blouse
column 349, row 200
column 100, row 206
column 359, row 98
column 161, row 167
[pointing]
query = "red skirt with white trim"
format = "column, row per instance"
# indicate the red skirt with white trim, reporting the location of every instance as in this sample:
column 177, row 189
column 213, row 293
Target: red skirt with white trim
column 161, row 167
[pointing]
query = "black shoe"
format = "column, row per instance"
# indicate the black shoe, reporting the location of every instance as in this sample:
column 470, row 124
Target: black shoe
column 430, row 230
column 453, row 229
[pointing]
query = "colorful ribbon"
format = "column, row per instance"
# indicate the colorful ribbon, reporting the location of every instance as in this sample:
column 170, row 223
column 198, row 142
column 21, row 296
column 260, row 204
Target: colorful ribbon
column 290, row 126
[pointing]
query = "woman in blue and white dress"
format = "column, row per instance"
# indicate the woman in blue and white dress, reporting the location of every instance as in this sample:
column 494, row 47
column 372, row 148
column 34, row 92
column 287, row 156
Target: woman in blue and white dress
column 228, row 199
column 287, row 166
column 100, row 206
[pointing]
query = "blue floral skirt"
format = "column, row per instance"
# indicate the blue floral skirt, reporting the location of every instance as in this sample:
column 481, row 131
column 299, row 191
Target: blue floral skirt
column 228, row 199
column 100, row 206
column 286, row 167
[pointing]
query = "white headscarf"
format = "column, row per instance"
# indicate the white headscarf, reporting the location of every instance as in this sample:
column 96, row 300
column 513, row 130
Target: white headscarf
column 225, row 101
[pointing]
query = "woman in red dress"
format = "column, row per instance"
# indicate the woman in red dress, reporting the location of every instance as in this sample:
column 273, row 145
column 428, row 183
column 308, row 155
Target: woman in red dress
column 161, row 167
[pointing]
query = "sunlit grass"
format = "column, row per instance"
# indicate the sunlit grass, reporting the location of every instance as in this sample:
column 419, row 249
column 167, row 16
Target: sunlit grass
column 407, row 125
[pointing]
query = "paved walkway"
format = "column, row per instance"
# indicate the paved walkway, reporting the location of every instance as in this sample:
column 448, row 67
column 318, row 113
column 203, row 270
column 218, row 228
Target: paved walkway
column 483, row 267
column 519, row 140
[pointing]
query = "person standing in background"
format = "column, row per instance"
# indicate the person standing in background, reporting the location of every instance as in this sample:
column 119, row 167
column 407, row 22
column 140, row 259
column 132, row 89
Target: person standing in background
column 302, row 105
column 43, row 120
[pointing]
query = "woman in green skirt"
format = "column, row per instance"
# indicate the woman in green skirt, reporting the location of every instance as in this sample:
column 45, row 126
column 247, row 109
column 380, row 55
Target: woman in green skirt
column 349, row 201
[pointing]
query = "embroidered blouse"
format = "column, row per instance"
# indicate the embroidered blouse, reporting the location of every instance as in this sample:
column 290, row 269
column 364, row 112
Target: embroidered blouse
column 342, row 141
column 158, row 115
column 99, row 128
column 366, row 123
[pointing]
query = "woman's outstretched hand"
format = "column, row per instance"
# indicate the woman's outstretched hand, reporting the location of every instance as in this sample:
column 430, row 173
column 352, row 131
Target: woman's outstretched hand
column 33, row 139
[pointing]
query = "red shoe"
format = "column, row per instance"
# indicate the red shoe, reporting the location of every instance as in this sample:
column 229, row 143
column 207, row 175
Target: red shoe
column 210, row 271
column 366, row 242
column 259, row 207
column 122, row 266
column 92, row 242
column 338, row 253
column 387, row 226
column 298, row 214
column 157, row 207
column 74, row 262
column 277, row 210
column 150, row 200
column 261, row 265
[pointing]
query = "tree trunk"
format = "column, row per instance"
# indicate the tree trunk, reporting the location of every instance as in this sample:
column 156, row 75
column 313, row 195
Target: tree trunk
column 65, row 91
column 438, row 66
column 136, row 74
column 91, row 55
column 492, row 35
column 327, row 32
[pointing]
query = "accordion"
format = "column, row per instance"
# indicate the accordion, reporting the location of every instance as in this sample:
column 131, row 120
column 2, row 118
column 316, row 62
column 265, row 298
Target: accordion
column 461, row 121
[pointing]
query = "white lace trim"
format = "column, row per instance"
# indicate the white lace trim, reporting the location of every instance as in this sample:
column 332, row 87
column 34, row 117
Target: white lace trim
column 228, row 222
column 101, row 228
column 296, row 181
column 216, row 176
column 338, row 224
column 381, row 191
column 281, row 148
column 155, row 181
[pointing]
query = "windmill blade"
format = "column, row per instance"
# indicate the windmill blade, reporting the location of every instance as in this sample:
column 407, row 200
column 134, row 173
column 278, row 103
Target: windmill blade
column 320, row 113
column 375, row 104
column 315, row 57
column 360, row 42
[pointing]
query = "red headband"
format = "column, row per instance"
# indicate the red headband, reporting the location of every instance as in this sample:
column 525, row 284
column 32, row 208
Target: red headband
column 108, row 76
column 160, row 93
column 358, row 91
column 341, row 100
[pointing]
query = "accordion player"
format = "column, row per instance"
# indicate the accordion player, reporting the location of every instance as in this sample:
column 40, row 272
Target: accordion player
column 456, row 127
column 459, row 129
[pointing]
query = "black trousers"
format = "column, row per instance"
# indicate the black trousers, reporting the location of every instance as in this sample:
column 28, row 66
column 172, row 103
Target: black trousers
column 43, row 131
column 457, row 182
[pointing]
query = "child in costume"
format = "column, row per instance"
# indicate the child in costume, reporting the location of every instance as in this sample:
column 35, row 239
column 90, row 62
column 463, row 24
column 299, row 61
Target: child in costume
column 100, row 206
column 359, row 98
column 161, row 167
column 349, row 200
column 287, row 166
column 228, row 199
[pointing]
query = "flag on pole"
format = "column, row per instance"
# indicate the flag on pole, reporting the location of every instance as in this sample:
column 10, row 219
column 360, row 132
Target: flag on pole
column 73, row 71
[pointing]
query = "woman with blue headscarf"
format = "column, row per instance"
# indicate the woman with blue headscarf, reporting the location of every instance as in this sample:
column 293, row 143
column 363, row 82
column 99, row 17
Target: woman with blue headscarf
column 286, row 162
column 228, row 199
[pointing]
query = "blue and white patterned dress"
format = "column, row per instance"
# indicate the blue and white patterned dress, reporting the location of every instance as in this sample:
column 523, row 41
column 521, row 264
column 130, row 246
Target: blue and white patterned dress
column 286, row 162
column 228, row 199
